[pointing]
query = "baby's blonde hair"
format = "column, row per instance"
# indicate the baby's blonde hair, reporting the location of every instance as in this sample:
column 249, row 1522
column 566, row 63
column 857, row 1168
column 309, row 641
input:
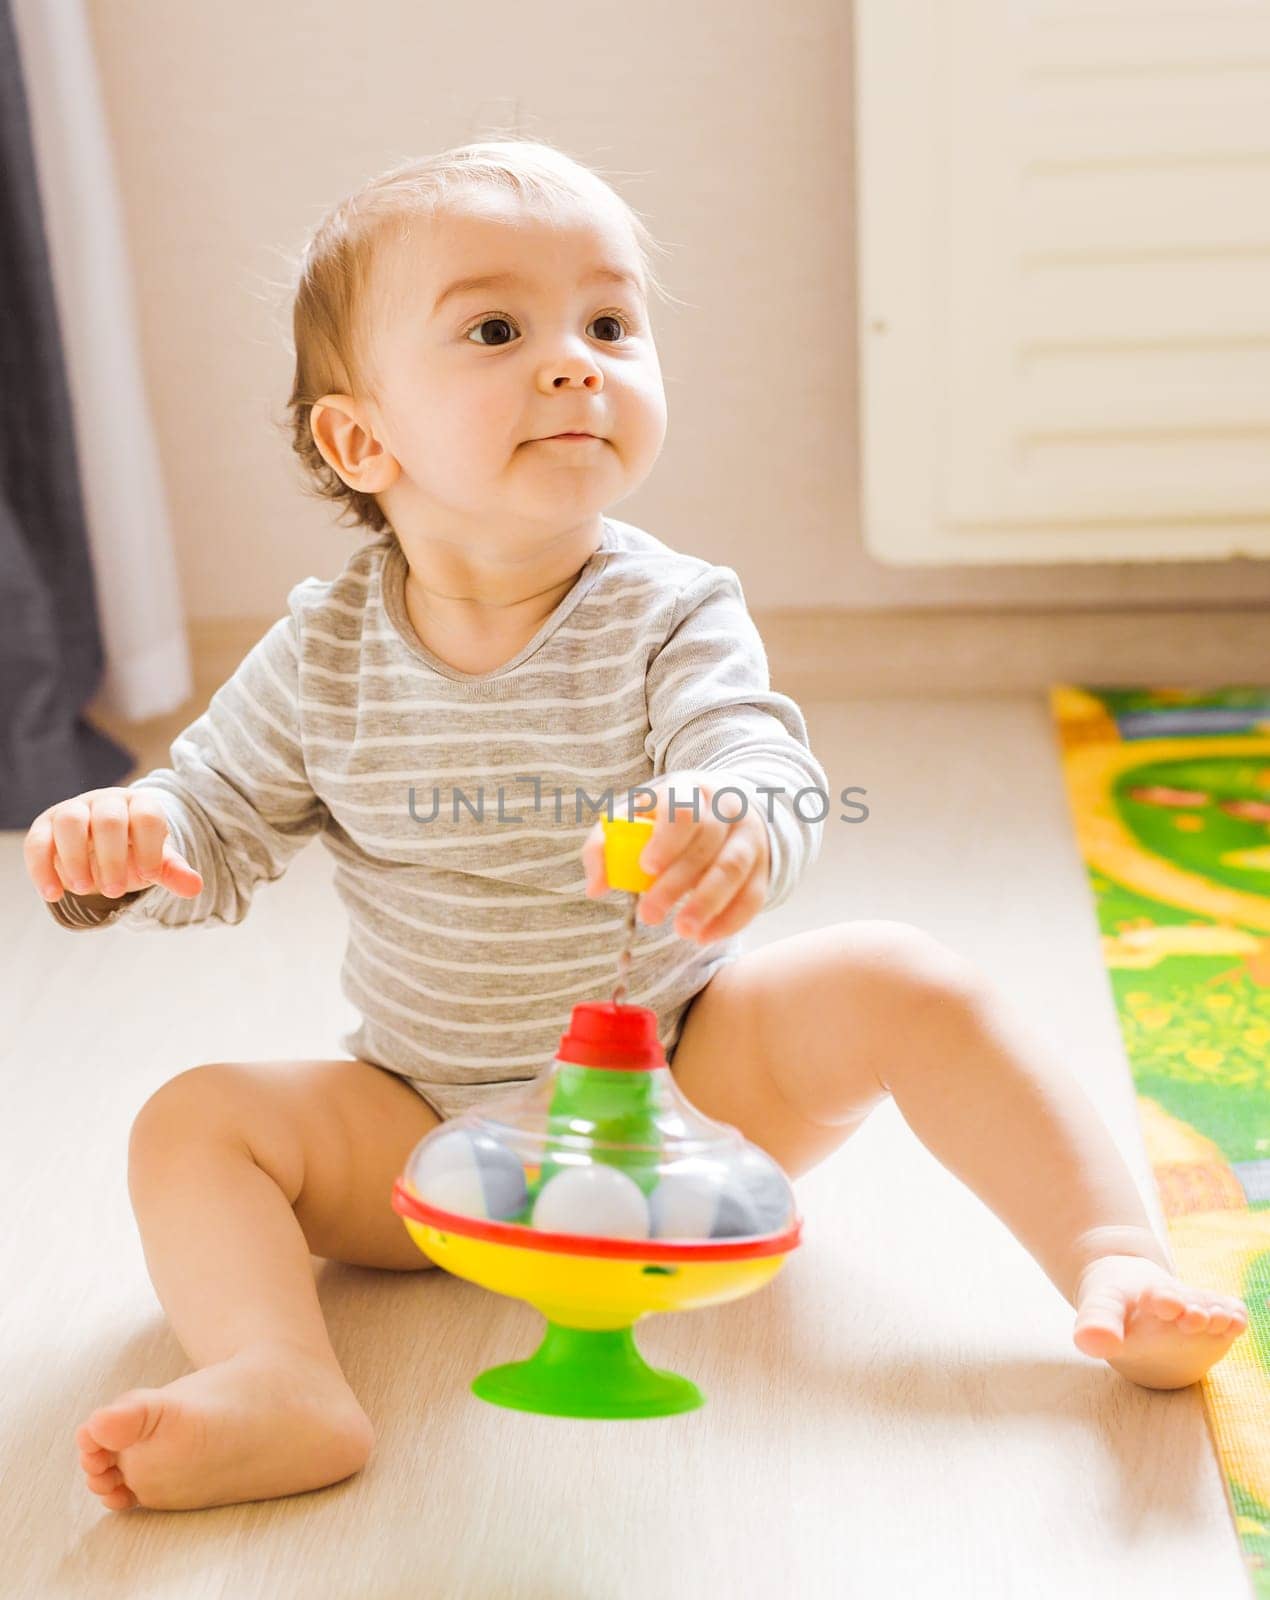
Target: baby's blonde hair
column 332, row 281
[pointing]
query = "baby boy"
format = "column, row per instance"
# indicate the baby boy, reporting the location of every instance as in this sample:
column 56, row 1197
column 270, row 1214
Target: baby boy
column 476, row 382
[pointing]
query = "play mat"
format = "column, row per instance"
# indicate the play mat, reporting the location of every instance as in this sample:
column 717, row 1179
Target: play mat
column 1170, row 796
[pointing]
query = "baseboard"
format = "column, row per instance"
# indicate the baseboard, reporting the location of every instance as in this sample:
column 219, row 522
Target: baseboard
column 833, row 655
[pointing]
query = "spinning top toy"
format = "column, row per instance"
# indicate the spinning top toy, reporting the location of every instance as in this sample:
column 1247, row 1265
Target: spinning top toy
column 599, row 1195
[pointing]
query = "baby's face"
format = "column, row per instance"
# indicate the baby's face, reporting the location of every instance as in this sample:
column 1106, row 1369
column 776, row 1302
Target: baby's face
column 472, row 382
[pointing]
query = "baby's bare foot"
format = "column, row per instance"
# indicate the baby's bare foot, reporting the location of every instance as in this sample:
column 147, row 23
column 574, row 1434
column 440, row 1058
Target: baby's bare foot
column 1150, row 1326
column 269, row 1421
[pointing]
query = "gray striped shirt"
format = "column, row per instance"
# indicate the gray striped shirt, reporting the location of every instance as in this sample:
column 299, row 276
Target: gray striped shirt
column 455, row 805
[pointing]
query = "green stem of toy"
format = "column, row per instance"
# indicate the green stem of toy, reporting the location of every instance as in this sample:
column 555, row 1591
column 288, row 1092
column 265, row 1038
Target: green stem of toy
column 609, row 1112
column 582, row 1372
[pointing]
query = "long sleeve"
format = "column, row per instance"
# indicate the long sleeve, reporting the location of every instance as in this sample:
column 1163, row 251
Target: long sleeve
column 711, row 705
column 237, row 795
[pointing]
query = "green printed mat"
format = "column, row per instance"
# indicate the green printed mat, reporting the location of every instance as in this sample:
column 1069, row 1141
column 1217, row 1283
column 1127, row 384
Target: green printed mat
column 1170, row 795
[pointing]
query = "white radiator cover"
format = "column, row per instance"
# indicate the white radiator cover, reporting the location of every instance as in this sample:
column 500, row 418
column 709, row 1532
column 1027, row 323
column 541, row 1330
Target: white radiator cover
column 1064, row 279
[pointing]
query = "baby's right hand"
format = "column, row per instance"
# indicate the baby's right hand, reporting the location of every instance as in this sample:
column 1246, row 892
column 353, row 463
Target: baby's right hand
column 108, row 842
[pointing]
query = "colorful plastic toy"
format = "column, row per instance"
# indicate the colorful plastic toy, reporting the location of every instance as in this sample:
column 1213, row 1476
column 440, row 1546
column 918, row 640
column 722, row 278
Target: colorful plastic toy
column 599, row 1194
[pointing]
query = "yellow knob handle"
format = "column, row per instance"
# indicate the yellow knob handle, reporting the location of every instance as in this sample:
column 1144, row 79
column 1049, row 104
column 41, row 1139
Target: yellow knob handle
column 623, row 845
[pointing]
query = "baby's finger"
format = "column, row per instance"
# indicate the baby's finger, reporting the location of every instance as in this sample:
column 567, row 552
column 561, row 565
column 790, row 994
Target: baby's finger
column 693, row 835
column 158, row 859
column 717, row 909
column 37, row 853
column 70, row 838
column 108, row 840
column 147, row 832
column 679, row 872
column 176, row 874
column 665, row 842
column 739, row 914
column 593, row 862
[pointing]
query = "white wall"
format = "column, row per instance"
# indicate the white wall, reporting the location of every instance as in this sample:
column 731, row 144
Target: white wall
column 237, row 124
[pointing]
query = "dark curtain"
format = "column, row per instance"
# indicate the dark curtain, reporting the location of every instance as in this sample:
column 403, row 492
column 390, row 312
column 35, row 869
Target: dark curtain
column 50, row 640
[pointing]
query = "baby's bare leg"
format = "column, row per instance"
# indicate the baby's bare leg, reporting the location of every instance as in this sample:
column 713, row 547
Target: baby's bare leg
column 1002, row 1111
column 237, row 1174
column 817, row 1028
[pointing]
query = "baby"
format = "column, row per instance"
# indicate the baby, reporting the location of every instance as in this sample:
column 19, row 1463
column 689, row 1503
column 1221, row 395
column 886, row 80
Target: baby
column 476, row 381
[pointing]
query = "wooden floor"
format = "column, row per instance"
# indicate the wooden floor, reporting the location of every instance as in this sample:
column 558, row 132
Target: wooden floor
column 900, row 1412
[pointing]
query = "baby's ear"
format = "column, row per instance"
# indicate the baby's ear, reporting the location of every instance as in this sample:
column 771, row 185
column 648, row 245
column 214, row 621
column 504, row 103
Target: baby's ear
column 344, row 432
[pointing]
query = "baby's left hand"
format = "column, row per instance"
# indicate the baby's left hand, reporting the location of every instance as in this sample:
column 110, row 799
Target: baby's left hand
column 723, row 862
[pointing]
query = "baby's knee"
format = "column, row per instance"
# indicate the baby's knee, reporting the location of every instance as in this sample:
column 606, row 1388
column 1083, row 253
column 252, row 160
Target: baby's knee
column 192, row 1094
column 913, row 973
column 211, row 1103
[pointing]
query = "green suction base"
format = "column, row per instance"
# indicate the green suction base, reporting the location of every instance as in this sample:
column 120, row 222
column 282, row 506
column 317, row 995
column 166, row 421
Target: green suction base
column 584, row 1372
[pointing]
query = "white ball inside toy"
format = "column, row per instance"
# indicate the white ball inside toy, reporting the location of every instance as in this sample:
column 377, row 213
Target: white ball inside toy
column 684, row 1204
column 469, row 1173
column 744, row 1197
column 767, row 1189
column 598, row 1199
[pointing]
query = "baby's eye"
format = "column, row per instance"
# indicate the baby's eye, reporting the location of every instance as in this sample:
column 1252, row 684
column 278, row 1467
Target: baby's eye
column 611, row 316
column 506, row 322
column 489, row 322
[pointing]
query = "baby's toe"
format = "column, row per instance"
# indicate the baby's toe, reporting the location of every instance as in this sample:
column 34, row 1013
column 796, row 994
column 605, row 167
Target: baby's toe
column 104, row 1482
column 1215, row 1314
column 120, row 1499
column 1164, row 1303
column 96, row 1460
column 126, row 1420
column 1235, row 1315
column 87, row 1440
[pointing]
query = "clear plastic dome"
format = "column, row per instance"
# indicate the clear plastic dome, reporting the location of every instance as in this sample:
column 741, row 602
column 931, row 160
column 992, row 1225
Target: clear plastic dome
column 602, row 1155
